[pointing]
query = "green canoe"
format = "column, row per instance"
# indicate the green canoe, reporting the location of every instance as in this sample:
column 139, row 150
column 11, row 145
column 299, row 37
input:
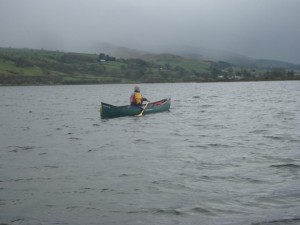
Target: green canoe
column 110, row 111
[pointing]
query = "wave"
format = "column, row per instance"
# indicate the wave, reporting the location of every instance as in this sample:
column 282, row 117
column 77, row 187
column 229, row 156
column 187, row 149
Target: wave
column 233, row 179
column 74, row 138
column 172, row 211
column 293, row 221
column 206, row 106
column 288, row 165
column 198, row 146
column 258, row 131
column 276, row 137
column 219, row 145
column 21, row 148
column 176, row 212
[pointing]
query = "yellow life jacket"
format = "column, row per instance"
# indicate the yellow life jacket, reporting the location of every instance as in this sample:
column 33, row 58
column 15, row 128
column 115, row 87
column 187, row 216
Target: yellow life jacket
column 136, row 98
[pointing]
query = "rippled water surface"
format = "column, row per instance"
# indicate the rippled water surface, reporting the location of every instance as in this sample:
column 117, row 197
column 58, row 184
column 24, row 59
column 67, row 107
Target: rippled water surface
column 226, row 153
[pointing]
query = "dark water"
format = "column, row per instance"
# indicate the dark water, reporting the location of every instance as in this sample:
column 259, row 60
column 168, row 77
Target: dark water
column 226, row 153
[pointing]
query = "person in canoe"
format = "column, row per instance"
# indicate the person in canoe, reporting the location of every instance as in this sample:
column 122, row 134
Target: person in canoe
column 136, row 99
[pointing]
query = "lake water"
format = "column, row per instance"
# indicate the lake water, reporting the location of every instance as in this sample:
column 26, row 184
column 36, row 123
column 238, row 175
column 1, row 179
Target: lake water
column 225, row 153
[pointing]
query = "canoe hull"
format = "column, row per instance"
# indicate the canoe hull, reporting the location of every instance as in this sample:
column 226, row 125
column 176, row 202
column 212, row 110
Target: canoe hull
column 110, row 111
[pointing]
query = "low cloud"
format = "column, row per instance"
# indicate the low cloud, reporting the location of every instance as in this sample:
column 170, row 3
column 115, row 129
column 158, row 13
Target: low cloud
column 260, row 29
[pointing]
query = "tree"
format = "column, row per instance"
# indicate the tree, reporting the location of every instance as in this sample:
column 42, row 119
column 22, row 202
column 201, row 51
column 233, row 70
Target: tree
column 278, row 72
column 101, row 56
column 180, row 70
column 214, row 70
column 291, row 73
column 168, row 66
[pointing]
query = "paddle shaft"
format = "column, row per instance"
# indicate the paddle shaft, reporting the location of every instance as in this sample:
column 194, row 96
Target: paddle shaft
column 143, row 109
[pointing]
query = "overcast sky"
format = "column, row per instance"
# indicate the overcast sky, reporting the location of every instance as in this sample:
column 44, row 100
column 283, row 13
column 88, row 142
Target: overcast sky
column 256, row 28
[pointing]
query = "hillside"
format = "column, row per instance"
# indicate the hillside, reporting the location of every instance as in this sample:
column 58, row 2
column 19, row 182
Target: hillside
column 27, row 66
column 34, row 67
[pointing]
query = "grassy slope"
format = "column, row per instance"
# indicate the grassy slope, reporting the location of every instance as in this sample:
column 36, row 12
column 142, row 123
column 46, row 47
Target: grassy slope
column 173, row 60
column 59, row 67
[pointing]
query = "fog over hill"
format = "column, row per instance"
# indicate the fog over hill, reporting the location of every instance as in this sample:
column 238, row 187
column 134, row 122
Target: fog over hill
column 253, row 29
column 193, row 53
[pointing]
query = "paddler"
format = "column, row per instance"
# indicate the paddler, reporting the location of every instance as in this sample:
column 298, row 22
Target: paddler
column 136, row 99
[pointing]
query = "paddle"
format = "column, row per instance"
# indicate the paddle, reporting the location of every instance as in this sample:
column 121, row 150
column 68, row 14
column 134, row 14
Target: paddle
column 141, row 114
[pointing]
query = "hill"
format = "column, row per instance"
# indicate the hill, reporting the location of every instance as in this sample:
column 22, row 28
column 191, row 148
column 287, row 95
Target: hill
column 34, row 67
column 197, row 53
column 28, row 66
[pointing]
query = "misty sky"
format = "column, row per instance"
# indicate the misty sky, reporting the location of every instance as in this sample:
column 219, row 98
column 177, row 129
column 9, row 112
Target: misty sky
column 256, row 28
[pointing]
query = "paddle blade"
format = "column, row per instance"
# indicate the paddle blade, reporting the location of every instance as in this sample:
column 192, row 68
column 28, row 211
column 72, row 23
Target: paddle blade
column 141, row 114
